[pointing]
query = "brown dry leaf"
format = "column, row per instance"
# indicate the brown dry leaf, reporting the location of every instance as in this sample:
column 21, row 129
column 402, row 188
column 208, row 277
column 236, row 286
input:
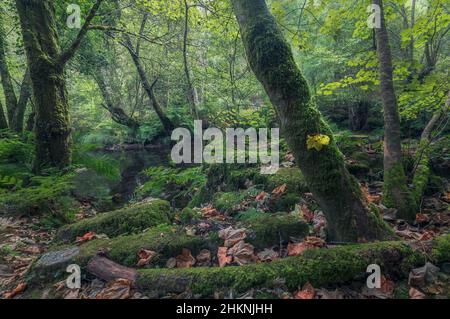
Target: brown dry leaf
column 307, row 292
column 376, row 199
column 185, row 260
column 267, row 255
column 222, row 256
column 261, row 196
column 209, row 211
column 415, row 294
column 422, row 218
column 86, row 237
column 295, row 249
column 16, row 291
column 72, row 294
column 315, row 241
column 280, row 190
column 204, row 258
column 145, row 256
column 232, row 236
column 306, row 213
column 117, row 289
column 243, row 253
column 426, row 236
column 387, row 286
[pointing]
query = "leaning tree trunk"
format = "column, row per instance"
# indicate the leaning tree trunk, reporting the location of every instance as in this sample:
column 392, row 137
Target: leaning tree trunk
column 395, row 193
column 421, row 173
column 46, row 62
column 337, row 192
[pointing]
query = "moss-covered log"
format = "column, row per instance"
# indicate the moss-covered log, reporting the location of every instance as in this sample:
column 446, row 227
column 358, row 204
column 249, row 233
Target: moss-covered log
column 320, row 267
column 122, row 221
column 336, row 191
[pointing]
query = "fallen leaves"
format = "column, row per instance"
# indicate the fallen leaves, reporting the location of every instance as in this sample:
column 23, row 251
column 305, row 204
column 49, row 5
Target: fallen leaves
column 204, row 258
column 209, row 212
column 243, row 253
column 185, row 260
column 295, row 249
column 422, row 218
column 20, row 288
column 222, row 256
column 232, row 236
column 280, row 190
column 415, row 294
column 145, row 256
column 306, row 293
column 86, row 237
column 117, row 289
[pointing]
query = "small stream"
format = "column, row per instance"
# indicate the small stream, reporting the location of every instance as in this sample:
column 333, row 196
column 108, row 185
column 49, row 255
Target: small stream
column 132, row 163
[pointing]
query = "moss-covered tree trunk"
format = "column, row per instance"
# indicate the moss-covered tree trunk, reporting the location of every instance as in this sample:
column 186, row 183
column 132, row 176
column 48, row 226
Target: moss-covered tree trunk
column 3, row 123
column 337, row 192
column 46, row 62
column 395, row 193
column 8, row 88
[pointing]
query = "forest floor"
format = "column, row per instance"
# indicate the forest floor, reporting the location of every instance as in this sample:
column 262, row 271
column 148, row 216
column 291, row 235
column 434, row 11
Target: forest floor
column 24, row 240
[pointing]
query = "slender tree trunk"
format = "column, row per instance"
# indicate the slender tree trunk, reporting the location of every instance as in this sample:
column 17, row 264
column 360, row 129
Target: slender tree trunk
column 46, row 62
column 190, row 89
column 337, row 192
column 396, row 192
column 8, row 88
column 3, row 123
column 24, row 97
column 165, row 121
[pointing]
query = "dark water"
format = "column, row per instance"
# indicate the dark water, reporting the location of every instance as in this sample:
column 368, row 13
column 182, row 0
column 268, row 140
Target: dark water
column 93, row 187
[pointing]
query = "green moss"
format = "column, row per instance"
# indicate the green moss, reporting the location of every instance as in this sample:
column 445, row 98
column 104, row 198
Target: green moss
column 272, row 229
column 229, row 202
column 320, row 267
column 292, row 177
column 168, row 241
column 396, row 193
column 123, row 221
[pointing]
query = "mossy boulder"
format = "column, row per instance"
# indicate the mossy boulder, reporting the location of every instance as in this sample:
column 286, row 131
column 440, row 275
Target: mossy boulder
column 123, row 221
column 168, row 241
column 291, row 176
column 272, row 229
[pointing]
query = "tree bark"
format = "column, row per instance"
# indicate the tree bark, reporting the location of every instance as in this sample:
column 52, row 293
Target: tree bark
column 24, row 97
column 396, row 192
column 46, row 62
column 3, row 123
column 108, row 270
column 8, row 88
column 190, row 89
column 337, row 192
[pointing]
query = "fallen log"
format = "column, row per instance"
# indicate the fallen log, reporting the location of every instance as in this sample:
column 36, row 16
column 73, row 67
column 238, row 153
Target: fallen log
column 108, row 270
column 320, row 267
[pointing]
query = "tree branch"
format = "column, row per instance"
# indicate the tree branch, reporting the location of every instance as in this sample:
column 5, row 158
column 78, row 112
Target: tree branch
column 68, row 54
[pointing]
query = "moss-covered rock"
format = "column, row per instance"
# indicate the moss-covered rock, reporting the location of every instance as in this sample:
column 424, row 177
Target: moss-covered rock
column 320, row 267
column 291, row 176
column 272, row 229
column 166, row 240
column 122, row 221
